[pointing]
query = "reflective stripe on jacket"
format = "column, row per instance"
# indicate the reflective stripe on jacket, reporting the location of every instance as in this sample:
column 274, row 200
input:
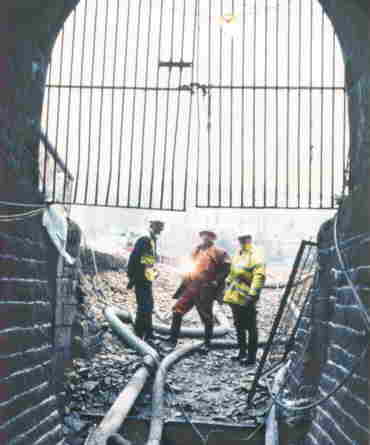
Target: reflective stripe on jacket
column 142, row 260
column 247, row 275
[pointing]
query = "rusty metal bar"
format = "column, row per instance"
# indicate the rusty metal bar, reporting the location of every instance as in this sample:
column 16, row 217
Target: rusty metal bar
column 173, row 166
column 156, row 109
column 294, row 275
column 101, row 102
column 133, row 126
column 145, row 104
column 110, row 173
column 80, row 104
column 120, row 155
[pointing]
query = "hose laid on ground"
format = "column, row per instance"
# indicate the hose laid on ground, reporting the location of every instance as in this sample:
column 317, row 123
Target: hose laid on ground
column 117, row 414
column 116, row 316
column 219, row 331
column 157, row 419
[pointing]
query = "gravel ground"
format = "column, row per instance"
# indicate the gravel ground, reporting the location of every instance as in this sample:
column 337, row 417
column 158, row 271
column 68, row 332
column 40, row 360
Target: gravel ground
column 207, row 387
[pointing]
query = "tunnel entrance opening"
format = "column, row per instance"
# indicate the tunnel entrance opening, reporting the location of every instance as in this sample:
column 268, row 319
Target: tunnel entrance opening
column 250, row 139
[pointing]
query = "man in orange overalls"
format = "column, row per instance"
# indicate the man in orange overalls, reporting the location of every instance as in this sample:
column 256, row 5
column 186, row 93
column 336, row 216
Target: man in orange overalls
column 210, row 267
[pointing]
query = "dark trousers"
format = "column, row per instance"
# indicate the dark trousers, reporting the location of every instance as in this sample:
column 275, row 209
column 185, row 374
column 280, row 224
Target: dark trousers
column 245, row 319
column 201, row 296
column 145, row 304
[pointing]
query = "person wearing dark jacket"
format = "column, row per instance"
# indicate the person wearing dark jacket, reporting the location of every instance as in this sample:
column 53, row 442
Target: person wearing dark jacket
column 141, row 272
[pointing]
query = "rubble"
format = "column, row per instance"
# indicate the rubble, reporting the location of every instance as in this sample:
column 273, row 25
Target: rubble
column 201, row 387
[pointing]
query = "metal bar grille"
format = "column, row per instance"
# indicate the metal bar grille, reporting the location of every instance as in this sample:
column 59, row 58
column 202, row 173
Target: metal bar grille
column 269, row 126
column 283, row 145
column 293, row 302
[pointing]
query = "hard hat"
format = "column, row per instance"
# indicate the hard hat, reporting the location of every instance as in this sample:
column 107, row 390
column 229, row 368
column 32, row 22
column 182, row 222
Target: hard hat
column 208, row 233
column 242, row 238
column 157, row 223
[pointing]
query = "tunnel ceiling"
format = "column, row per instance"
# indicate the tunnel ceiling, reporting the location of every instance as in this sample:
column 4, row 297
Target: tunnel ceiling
column 222, row 104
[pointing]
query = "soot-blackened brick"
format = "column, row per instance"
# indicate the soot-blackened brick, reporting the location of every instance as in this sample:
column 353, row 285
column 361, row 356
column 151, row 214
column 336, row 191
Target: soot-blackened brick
column 19, row 314
column 21, row 247
column 29, row 417
column 23, row 360
column 32, row 396
column 20, row 339
column 23, row 290
column 41, row 430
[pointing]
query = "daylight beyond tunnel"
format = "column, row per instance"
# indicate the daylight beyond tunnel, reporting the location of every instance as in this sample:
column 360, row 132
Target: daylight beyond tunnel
column 235, row 104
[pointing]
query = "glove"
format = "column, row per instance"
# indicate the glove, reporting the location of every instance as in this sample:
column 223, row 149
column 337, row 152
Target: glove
column 249, row 299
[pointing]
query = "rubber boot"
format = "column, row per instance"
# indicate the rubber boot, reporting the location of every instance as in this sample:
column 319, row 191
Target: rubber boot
column 171, row 342
column 242, row 344
column 139, row 327
column 252, row 348
column 149, row 333
column 208, row 334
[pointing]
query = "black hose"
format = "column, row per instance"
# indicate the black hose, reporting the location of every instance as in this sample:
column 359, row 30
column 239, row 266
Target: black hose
column 116, row 439
column 115, row 317
column 113, row 420
column 157, row 420
column 187, row 332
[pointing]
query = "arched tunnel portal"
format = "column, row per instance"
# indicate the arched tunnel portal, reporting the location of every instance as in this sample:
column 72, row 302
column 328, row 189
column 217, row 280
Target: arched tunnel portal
column 31, row 268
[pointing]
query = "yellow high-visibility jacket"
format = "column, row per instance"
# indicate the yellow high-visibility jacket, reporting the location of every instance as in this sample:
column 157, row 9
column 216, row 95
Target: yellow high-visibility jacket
column 247, row 275
column 142, row 260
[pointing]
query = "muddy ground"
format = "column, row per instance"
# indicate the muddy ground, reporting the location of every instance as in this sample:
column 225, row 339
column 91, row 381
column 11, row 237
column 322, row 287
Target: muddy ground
column 210, row 387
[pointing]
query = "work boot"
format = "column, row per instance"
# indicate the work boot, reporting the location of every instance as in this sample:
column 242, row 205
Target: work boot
column 208, row 334
column 139, row 327
column 241, row 355
column 171, row 342
column 251, row 359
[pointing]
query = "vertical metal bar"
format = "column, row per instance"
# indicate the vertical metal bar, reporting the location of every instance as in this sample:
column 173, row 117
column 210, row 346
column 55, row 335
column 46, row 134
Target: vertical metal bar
column 288, row 109
column 198, row 147
column 195, row 38
column 265, row 111
column 123, row 103
column 311, row 117
column 69, row 105
column 276, row 323
column 116, row 31
column 58, row 116
column 167, row 108
column 47, row 128
column 209, row 104
column 145, row 101
column 243, row 109
column 90, row 105
column 333, row 122
column 156, row 109
column 277, row 104
column 198, row 114
column 220, row 114
column 177, row 111
column 134, row 106
column 101, row 102
column 322, row 108
column 231, row 114
column 254, row 103
column 82, row 64
column 299, row 106
column 344, row 139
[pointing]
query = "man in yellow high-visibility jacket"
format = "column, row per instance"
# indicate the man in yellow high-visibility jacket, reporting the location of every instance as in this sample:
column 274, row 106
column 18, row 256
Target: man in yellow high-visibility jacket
column 243, row 287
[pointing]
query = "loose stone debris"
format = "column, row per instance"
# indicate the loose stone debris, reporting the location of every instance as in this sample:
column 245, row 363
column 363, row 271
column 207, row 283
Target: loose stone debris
column 201, row 387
